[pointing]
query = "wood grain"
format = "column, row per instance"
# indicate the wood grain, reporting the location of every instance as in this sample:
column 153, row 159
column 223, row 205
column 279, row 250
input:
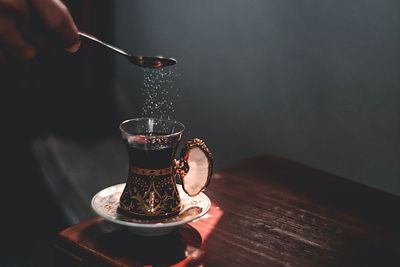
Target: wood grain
column 266, row 211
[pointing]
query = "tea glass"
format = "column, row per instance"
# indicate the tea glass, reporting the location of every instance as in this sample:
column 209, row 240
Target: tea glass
column 151, row 192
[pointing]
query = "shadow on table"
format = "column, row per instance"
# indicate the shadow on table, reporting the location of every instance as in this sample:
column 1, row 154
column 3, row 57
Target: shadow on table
column 119, row 243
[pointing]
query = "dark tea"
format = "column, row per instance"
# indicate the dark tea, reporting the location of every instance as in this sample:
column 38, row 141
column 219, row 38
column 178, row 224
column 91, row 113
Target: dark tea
column 150, row 157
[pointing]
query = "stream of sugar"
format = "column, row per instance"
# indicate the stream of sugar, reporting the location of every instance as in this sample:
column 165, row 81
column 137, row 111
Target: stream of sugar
column 160, row 92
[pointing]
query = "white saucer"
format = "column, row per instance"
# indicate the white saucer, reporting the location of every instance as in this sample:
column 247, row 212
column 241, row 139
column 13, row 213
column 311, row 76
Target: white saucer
column 105, row 204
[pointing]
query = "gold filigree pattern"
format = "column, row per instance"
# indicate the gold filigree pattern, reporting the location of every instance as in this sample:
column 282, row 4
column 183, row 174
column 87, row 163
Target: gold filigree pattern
column 152, row 172
column 150, row 196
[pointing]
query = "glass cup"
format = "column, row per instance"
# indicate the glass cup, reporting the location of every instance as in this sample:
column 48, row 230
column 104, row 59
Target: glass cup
column 151, row 191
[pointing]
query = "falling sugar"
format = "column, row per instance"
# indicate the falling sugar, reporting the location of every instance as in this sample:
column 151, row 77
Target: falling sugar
column 159, row 91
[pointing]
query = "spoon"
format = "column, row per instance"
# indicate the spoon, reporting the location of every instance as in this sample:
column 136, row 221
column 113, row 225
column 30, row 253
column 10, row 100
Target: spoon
column 141, row 61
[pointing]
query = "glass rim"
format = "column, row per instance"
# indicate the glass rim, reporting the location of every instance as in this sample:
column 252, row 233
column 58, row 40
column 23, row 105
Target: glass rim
column 151, row 118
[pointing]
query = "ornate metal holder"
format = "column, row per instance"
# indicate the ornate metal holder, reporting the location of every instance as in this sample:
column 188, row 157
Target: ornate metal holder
column 150, row 191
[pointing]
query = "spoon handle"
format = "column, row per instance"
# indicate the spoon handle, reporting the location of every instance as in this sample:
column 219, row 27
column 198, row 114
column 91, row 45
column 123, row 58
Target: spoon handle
column 94, row 39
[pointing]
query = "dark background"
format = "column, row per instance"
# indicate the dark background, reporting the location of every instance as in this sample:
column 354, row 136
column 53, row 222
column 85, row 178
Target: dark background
column 56, row 93
column 312, row 81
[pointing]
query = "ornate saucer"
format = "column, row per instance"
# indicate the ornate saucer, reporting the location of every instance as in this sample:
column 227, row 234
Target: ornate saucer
column 105, row 204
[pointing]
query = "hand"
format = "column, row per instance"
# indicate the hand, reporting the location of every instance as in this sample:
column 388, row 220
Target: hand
column 25, row 24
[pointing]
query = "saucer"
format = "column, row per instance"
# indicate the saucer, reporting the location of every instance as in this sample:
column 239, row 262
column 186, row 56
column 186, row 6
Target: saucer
column 105, row 204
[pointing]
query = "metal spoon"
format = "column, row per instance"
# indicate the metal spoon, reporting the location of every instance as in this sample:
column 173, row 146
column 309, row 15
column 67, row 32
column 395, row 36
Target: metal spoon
column 141, row 61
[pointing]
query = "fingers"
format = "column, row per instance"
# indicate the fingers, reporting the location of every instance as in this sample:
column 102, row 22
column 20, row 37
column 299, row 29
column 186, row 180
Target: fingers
column 56, row 17
column 12, row 41
column 27, row 22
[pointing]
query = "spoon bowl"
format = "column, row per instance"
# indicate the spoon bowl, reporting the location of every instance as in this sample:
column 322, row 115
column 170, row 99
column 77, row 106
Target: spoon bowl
column 152, row 62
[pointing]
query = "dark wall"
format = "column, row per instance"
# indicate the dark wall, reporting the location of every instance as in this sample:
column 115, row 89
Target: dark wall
column 54, row 93
column 313, row 81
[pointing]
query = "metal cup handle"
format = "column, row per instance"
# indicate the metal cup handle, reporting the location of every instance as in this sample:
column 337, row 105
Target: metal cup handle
column 194, row 167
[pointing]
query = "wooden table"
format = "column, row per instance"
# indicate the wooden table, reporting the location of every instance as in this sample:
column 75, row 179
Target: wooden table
column 266, row 211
